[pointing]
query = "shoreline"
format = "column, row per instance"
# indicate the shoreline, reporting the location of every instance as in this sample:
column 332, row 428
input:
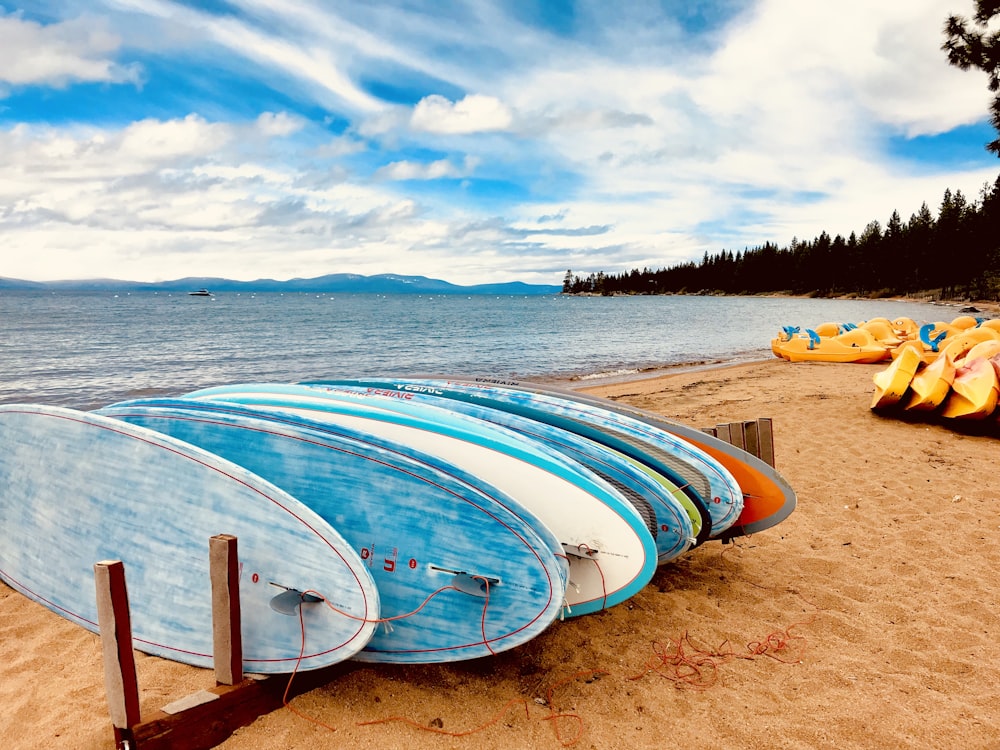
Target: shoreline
column 990, row 306
column 597, row 380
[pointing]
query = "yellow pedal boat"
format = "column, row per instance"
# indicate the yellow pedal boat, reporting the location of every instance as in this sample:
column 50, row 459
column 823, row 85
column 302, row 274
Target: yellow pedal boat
column 856, row 345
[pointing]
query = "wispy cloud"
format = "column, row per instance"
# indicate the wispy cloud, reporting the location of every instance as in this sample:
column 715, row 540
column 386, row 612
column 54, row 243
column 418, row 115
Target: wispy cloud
column 62, row 53
column 489, row 140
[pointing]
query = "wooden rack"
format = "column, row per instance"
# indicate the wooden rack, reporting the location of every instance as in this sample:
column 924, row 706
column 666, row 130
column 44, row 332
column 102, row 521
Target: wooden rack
column 754, row 436
column 206, row 718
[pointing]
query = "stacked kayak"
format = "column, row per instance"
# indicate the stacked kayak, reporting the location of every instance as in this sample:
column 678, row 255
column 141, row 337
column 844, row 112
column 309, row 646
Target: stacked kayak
column 951, row 370
column 409, row 520
column 961, row 382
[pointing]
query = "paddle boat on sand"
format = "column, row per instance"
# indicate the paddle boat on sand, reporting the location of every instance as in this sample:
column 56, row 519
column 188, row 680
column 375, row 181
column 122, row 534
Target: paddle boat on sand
column 854, row 345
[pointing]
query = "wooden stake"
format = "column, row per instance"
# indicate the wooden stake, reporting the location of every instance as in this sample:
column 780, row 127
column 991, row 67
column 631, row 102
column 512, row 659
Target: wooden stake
column 115, row 622
column 751, row 438
column 736, row 435
column 766, row 436
column 227, row 637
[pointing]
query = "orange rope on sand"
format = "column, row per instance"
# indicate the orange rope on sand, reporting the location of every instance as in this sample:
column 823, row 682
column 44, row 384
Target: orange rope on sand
column 697, row 672
column 302, row 626
column 692, row 667
column 686, row 664
column 554, row 717
column 284, row 698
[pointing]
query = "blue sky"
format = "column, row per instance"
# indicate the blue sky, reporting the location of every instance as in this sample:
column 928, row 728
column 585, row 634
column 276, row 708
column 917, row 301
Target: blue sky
column 467, row 140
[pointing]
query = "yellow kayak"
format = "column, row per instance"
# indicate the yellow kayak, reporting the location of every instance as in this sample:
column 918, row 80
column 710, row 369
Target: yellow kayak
column 931, row 386
column 892, row 383
column 982, row 350
column 974, row 392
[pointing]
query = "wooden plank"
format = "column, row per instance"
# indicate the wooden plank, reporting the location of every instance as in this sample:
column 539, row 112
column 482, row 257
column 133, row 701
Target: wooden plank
column 722, row 432
column 765, row 434
column 710, row 431
column 227, row 638
column 115, row 622
column 209, row 724
column 750, row 438
column 736, row 435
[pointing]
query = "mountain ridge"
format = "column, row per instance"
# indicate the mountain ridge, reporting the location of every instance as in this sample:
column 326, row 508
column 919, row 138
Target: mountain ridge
column 343, row 283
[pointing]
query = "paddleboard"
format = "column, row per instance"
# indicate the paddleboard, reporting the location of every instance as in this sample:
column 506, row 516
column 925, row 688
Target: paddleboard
column 656, row 448
column 768, row 499
column 462, row 571
column 668, row 513
column 611, row 553
column 78, row 488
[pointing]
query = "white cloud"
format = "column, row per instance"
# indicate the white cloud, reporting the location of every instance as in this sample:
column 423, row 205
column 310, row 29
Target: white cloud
column 38, row 158
column 342, row 146
column 319, row 67
column 279, row 124
column 435, row 170
column 772, row 126
column 61, row 53
column 473, row 114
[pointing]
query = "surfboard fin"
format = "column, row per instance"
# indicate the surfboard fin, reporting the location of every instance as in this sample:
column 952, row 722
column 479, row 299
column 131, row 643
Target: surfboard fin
column 288, row 601
column 469, row 583
column 584, row 551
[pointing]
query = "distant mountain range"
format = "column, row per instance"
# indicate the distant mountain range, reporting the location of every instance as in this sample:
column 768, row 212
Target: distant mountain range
column 342, row 283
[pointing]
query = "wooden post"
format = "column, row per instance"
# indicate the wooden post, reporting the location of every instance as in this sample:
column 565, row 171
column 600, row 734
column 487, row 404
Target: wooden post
column 227, row 637
column 751, row 438
column 765, row 434
column 736, row 435
column 115, row 622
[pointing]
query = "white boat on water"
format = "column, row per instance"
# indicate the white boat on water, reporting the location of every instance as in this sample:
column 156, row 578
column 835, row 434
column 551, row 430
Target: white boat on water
column 200, row 293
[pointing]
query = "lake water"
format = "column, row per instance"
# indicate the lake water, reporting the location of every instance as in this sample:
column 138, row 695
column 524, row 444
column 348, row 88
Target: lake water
column 85, row 350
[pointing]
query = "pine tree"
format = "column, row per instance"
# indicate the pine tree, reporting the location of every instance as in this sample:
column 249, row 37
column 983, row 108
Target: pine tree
column 970, row 44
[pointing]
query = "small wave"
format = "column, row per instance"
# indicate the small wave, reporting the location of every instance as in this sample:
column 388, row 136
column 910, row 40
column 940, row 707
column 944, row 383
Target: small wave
column 607, row 374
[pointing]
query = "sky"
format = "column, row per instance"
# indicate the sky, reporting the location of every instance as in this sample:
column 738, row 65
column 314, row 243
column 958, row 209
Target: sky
column 468, row 140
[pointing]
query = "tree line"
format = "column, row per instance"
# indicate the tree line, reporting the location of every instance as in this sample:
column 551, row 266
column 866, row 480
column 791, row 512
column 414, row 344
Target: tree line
column 953, row 255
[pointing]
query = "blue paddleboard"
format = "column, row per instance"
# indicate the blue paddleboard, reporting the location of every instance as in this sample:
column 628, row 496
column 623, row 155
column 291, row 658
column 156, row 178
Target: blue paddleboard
column 658, row 501
column 462, row 570
column 611, row 552
column 660, row 450
column 78, row 488
column 768, row 499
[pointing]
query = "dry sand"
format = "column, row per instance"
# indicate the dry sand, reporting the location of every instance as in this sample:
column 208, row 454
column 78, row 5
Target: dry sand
column 869, row 618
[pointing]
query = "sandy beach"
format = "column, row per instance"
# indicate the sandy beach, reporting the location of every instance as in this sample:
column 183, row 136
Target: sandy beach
column 869, row 618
